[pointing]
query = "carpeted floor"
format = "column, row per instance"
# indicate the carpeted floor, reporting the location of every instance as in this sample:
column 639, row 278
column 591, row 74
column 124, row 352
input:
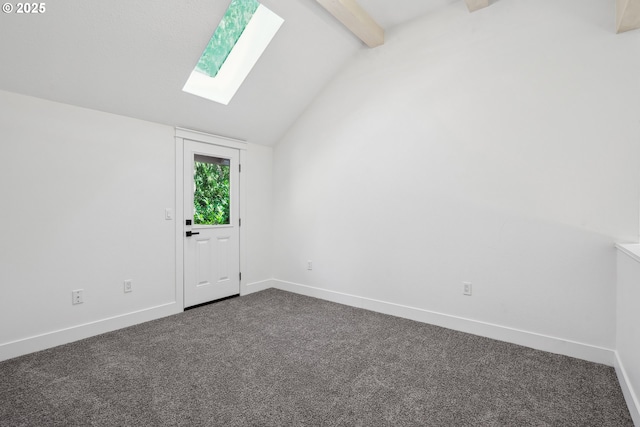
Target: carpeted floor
column 279, row 359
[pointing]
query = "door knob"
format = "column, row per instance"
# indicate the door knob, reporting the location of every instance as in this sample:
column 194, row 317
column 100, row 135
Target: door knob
column 191, row 233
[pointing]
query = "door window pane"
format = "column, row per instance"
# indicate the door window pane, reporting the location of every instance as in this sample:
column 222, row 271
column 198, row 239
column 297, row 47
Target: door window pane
column 211, row 198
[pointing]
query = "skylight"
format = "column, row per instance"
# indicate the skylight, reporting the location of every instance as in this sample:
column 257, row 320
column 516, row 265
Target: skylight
column 229, row 30
column 243, row 34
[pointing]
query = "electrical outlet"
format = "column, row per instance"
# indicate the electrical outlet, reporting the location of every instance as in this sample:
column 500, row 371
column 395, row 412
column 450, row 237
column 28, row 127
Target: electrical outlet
column 466, row 288
column 77, row 297
column 309, row 265
column 128, row 285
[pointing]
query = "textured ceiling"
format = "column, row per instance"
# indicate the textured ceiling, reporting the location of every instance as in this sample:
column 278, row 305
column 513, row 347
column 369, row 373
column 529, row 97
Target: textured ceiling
column 133, row 57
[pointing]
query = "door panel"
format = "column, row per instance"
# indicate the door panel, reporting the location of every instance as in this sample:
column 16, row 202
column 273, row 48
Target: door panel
column 223, row 248
column 203, row 249
column 211, row 208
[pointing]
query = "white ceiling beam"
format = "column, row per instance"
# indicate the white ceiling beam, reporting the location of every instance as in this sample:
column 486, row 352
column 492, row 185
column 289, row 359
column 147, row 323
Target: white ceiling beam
column 627, row 15
column 474, row 5
column 356, row 19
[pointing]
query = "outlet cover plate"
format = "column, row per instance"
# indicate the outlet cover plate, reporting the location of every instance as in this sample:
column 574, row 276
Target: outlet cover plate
column 466, row 288
column 77, row 297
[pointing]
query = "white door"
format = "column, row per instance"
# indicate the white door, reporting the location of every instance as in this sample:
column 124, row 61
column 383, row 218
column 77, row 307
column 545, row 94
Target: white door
column 211, row 230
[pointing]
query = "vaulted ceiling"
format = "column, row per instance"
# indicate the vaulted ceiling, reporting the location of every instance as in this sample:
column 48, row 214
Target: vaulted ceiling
column 133, row 57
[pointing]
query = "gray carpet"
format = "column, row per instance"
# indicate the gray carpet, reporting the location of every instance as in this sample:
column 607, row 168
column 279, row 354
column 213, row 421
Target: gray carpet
column 279, row 359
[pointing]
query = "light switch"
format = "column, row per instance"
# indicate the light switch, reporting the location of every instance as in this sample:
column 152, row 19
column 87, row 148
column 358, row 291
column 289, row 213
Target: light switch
column 168, row 214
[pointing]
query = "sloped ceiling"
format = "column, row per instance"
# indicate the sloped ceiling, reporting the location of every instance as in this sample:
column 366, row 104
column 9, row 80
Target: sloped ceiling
column 133, row 57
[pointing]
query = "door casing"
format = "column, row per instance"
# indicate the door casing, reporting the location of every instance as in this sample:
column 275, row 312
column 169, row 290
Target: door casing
column 180, row 137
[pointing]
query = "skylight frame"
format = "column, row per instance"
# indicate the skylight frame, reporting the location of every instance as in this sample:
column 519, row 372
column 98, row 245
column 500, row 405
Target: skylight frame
column 255, row 38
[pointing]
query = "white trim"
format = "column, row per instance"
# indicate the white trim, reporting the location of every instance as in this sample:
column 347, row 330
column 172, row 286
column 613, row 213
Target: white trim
column 78, row 332
column 251, row 288
column 633, row 403
column 630, row 249
column 502, row 333
column 179, row 218
column 208, row 138
column 242, row 238
column 220, row 141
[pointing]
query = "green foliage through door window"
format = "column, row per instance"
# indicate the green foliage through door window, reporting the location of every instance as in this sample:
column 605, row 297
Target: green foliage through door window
column 211, row 195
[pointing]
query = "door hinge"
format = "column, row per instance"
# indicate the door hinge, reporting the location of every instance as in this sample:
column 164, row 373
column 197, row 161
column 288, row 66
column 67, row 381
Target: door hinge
column 240, row 276
column 239, row 222
column 239, row 167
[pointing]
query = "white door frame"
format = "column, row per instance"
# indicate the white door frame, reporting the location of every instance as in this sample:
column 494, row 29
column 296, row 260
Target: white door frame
column 241, row 146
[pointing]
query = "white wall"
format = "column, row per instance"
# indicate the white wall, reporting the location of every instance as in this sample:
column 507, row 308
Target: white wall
column 258, row 223
column 83, row 199
column 498, row 147
column 628, row 333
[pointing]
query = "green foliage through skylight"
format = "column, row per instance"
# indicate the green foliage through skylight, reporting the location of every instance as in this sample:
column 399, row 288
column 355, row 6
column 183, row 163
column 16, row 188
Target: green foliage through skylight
column 229, row 30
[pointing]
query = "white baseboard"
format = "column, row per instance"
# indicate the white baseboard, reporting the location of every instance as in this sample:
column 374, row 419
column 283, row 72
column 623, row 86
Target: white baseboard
column 498, row 332
column 630, row 395
column 502, row 333
column 63, row 336
column 256, row 287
